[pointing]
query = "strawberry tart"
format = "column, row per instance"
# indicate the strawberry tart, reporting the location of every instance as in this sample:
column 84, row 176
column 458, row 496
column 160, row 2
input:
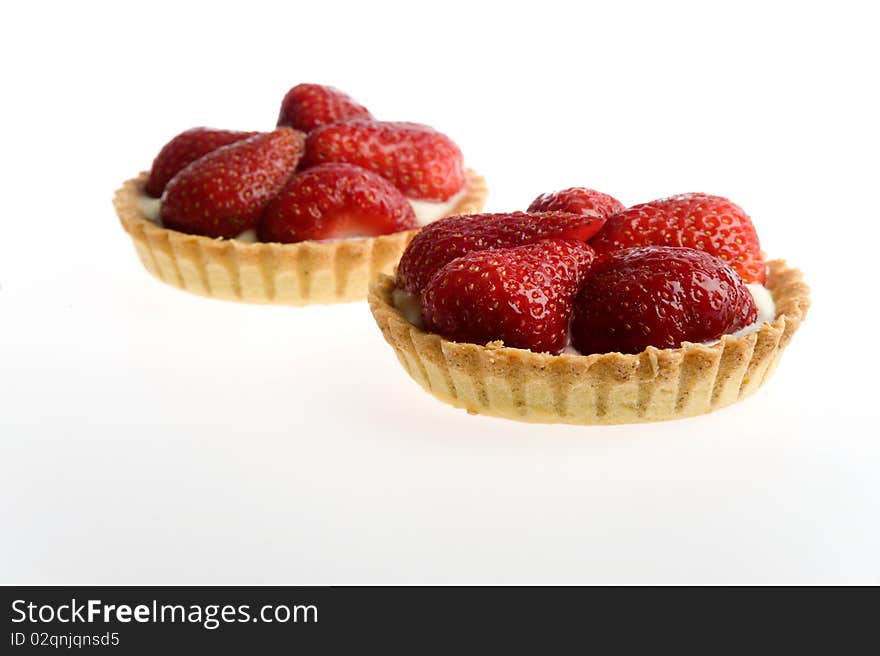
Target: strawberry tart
column 309, row 212
column 583, row 311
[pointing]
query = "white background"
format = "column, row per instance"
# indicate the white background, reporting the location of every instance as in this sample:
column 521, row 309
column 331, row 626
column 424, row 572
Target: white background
column 151, row 436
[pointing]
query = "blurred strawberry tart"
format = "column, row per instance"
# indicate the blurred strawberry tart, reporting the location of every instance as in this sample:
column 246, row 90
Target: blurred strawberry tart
column 307, row 213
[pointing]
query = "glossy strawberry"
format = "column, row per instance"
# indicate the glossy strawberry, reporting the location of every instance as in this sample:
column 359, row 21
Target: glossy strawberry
column 709, row 223
column 418, row 160
column 578, row 200
column 658, row 296
column 335, row 201
column 307, row 106
column 183, row 149
column 454, row 236
column 223, row 193
column 521, row 296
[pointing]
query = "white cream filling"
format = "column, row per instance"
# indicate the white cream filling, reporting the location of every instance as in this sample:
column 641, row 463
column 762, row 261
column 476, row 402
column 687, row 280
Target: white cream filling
column 248, row 236
column 151, row 207
column 429, row 210
column 410, row 307
column 766, row 309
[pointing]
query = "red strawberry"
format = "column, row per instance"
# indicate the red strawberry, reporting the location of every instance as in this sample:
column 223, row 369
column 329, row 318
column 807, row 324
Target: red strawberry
column 420, row 161
column 658, row 296
column 334, row 201
column 223, row 193
column 577, row 200
column 452, row 237
column 709, row 223
column 186, row 147
column 522, row 295
column 307, row 106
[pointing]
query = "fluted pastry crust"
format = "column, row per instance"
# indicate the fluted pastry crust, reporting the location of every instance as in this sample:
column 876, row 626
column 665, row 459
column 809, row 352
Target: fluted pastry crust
column 607, row 388
column 284, row 274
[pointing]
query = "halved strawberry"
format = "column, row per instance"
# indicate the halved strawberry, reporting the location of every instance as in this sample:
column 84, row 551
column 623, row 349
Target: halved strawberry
column 454, row 236
column 223, row 193
column 658, row 296
column 420, row 161
column 183, row 149
column 335, row 201
column 578, row 200
column 521, row 296
column 307, row 106
column 708, row 223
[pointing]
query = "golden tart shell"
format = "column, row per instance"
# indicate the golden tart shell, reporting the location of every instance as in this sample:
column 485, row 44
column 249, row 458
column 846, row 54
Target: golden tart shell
column 606, row 388
column 284, row 274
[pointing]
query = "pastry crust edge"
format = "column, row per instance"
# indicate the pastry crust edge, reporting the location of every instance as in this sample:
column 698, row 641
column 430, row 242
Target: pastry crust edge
column 269, row 273
column 606, row 388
